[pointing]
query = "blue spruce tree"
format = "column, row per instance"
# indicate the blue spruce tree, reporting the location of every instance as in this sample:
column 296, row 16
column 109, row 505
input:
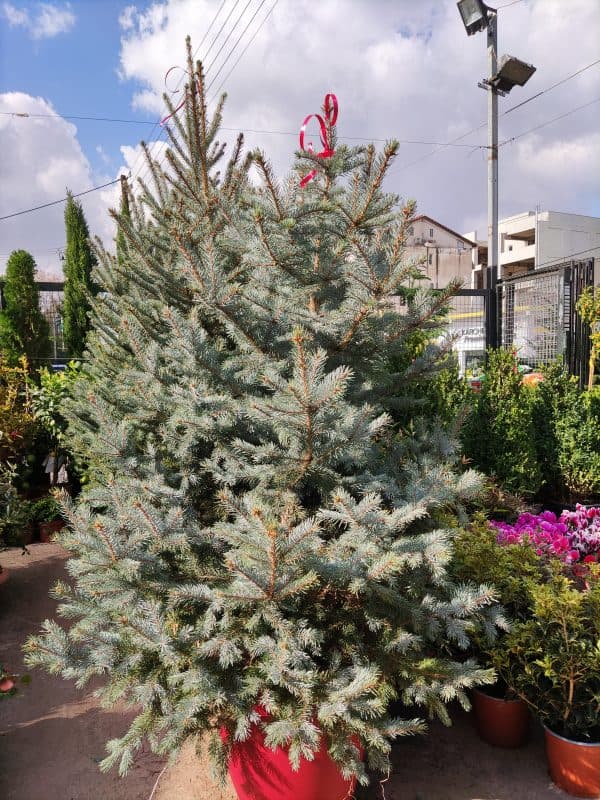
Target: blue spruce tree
column 259, row 532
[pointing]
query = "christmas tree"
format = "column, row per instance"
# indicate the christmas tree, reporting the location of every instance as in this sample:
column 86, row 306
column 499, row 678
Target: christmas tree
column 259, row 532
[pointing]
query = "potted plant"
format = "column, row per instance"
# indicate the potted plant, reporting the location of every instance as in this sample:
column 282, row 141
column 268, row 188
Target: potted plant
column 262, row 556
column 552, row 657
column 555, row 665
column 501, row 717
column 16, row 528
column 46, row 512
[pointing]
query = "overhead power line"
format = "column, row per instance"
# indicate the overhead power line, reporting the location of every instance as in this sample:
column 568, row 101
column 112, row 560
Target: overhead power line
column 438, row 145
column 130, row 121
column 506, row 5
column 254, row 130
column 134, row 170
column 230, row 53
column 549, row 122
column 238, row 40
column 146, row 167
column 62, row 200
column 241, row 55
column 228, row 37
column 502, row 114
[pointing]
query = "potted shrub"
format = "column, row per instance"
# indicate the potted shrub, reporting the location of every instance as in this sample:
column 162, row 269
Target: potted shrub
column 501, row 717
column 555, row 665
column 46, row 512
column 262, row 556
column 552, row 657
column 16, row 528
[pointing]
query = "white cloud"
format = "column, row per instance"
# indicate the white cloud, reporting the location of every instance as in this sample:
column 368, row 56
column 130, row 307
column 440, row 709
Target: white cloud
column 52, row 20
column 400, row 69
column 46, row 21
column 45, row 158
column 127, row 17
column 15, row 16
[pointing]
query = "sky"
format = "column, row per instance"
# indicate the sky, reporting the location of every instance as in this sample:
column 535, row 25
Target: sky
column 400, row 69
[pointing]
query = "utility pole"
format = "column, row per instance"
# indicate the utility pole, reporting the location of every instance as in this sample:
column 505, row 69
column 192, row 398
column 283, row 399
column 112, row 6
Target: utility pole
column 502, row 77
column 492, row 267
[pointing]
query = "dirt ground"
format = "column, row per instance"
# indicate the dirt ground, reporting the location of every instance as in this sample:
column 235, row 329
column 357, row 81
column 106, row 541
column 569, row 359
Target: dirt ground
column 52, row 736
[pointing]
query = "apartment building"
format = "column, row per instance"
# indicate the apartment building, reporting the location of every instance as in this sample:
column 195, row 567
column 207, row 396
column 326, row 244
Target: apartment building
column 446, row 253
column 534, row 240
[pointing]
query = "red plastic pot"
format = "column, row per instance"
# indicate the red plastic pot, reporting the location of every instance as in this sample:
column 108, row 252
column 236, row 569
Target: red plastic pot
column 47, row 529
column 499, row 722
column 259, row 773
column 574, row 766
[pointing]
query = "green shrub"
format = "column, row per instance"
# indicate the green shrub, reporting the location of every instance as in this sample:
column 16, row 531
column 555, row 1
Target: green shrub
column 478, row 558
column 578, row 433
column 15, row 512
column 17, row 423
column 498, row 434
column 552, row 660
column 46, row 509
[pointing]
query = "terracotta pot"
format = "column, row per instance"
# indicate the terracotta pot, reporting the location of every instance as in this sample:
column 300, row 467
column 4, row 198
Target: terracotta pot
column 4, row 575
column 574, row 766
column 47, row 529
column 502, row 723
column 259, row 773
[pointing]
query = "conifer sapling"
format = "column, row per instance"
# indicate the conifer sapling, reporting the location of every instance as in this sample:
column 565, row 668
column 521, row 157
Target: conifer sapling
column 258, row 532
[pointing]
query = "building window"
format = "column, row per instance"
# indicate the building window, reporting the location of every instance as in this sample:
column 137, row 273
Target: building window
column 431, row 233
column 410, row 231
column 430, row 258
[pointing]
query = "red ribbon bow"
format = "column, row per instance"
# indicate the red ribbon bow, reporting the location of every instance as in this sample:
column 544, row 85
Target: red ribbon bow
column 330, row 107
column 174, row 91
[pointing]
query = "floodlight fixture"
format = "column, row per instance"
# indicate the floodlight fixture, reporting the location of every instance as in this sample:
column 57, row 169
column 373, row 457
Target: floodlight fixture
column 474, row 15
column 511, row 72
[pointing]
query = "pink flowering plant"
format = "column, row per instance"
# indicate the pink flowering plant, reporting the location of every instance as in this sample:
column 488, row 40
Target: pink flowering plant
column 551, row 656
column 573, row 537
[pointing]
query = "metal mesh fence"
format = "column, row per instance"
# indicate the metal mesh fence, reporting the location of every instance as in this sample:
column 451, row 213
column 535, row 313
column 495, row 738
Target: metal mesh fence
column 533, row 318
column 51, row 308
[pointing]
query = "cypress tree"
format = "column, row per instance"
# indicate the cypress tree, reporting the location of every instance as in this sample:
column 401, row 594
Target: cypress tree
column 259, row 532
column 79, row 288
column 23, row 328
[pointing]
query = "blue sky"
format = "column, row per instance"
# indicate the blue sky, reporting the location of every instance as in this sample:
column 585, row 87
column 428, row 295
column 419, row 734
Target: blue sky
column 400, row 68
column 78, row 72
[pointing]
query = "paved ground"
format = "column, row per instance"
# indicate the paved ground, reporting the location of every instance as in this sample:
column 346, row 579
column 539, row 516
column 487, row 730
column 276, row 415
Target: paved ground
column 52, row 736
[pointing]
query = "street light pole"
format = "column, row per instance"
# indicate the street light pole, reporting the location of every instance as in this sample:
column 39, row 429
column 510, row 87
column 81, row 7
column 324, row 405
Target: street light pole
column 503, row 76
column 492, row 268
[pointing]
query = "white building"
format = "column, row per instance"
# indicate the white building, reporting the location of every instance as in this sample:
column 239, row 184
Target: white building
column 446, row 254
column 537, row 239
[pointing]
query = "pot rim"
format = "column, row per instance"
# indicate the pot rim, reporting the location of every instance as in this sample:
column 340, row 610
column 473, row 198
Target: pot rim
column 570, row 741
column 498, row 699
